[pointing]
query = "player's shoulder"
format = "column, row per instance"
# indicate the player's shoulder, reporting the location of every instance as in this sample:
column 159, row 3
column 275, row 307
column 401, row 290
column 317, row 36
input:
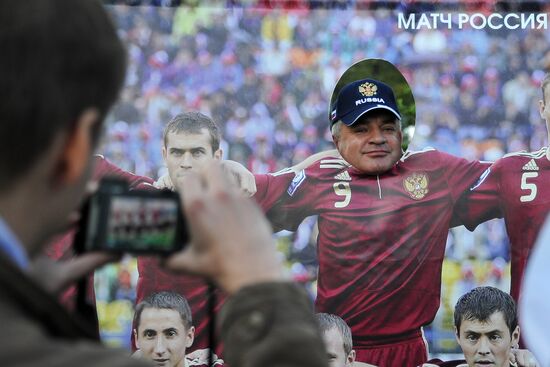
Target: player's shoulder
column 320, row 172
column 428, row 156
column 99, row 159
column 525, row 155
column 282, row 172
column 414, row 154
column 327, row 167
column 522, row 160
column 333, row 163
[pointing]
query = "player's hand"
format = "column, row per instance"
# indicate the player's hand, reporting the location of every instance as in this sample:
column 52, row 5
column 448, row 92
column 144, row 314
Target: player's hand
column 164, row 182
column 244, row 179
column 200, row 356
column 522, row 358
column 333, row 153
column 55, row 276
column 230, row 238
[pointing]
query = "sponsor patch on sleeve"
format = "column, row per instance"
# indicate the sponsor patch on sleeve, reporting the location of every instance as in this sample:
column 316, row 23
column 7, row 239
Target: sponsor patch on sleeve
column 296, row 182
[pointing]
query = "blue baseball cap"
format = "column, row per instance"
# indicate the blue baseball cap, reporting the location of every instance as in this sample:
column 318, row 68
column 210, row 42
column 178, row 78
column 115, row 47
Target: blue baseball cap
column 357, row 98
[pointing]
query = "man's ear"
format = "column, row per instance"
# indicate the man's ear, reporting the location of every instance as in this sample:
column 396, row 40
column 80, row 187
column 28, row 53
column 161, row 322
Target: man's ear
column 351, row 357
column 541, row 109
column 164, row 153
column 218, row 154
column 335, row 140
column 190, row 336
column 457, row 336
column 136, row 339
column 78, row 148
column 515, row 336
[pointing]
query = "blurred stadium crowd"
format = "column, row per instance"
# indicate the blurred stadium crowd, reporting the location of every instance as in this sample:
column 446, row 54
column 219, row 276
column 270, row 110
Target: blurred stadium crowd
column 265, row 75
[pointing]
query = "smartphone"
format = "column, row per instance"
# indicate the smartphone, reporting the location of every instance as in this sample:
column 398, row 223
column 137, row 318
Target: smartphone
column 117, row 219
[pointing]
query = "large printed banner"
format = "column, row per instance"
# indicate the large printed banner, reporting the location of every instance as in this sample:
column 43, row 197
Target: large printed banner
column 265, row 72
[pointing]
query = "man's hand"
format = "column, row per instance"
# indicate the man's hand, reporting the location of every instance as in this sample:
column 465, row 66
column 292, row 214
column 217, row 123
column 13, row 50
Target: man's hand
column 244, row 178
column 522, row 358
column 231, row 239
column 200, row 357
column 55, row 276
column 164, row 182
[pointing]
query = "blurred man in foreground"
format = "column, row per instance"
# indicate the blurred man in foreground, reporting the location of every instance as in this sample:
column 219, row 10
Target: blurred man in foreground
column 62, row 67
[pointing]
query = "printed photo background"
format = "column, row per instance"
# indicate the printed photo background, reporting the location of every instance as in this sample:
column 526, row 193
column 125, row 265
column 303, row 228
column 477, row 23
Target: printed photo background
column 265, row 71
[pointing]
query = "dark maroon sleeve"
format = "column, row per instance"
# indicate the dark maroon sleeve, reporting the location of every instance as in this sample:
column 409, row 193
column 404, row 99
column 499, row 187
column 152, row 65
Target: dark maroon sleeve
column 461, row 174
column 481, row 202
column 104, row 167
column 271, row 187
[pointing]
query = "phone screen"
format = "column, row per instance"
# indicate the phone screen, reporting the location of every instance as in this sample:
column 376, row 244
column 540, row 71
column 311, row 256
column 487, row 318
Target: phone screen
column 141, row 223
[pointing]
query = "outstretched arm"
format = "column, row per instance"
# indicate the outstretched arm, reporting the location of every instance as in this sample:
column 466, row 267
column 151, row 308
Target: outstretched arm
column 104, row 167
column 314, row 158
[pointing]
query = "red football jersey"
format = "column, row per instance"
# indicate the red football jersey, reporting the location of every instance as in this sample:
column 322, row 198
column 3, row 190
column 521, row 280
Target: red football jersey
column 514, row 187
column 103, row 167
column 381, row 238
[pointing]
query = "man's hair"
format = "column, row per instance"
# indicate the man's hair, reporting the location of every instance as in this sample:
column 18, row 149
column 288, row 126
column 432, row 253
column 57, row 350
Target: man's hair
column 165, row 300
column 337, row 126
column 327, row 321
column 545, row 82
column 59, row 57
column 193, row 123
column 481, row 302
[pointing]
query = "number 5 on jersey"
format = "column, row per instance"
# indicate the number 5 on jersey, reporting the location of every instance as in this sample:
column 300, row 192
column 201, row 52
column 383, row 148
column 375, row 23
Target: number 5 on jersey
column 528, row 186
